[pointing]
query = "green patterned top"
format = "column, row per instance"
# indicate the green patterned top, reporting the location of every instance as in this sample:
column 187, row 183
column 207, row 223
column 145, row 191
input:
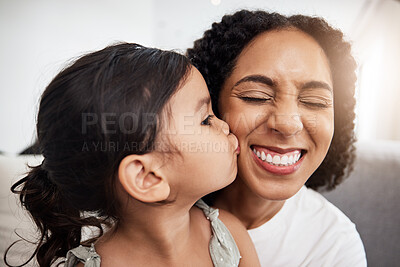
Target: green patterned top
column 223, row 249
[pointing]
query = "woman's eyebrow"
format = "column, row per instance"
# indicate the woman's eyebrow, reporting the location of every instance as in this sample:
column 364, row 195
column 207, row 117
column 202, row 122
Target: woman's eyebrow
column 317, row 84
column 257, row 79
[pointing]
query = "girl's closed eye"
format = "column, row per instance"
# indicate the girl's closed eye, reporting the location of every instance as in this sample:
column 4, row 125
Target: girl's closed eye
column 207, row 121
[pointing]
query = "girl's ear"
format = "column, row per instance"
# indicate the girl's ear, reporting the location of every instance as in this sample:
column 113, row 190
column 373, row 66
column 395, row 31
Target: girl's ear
column 137, row 177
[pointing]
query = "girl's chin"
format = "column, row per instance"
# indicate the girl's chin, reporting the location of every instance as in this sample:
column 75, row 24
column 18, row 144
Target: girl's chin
column 232, row 177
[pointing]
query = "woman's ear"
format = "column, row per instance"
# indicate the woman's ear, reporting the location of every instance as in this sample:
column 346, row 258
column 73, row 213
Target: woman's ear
column 137, row 177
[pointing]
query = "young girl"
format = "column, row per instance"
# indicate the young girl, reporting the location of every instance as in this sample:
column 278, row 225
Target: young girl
column 130, row 144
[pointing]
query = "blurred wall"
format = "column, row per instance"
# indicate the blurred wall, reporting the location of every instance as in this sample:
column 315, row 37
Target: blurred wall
column 39, row 37
column 377, row 42
column 180, row 22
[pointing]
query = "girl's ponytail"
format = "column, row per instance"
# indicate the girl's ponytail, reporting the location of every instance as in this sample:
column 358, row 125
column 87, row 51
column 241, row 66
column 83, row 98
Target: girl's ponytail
column 58, row 223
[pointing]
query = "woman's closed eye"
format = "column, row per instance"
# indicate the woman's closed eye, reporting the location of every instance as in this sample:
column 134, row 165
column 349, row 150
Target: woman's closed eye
column 207, row 121
column 254, row 95
column 252, row 99
column 315, row 102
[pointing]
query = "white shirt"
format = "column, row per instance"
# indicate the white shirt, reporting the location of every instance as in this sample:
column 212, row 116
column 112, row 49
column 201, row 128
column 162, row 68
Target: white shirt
column 308, row 231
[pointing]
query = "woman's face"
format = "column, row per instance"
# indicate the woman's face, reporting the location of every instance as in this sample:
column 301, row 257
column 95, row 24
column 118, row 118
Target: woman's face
column 278, row 101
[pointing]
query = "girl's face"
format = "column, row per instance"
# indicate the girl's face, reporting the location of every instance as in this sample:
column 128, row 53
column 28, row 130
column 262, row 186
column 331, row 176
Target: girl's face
column 278, row 101
column 206, row 152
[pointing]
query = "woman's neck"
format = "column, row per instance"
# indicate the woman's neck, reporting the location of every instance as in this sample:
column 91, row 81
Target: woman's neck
column 168, row 233
column 251, row 209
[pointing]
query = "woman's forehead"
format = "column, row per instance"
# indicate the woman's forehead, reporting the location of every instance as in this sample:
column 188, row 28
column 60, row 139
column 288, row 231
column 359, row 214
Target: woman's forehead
column 283, row 53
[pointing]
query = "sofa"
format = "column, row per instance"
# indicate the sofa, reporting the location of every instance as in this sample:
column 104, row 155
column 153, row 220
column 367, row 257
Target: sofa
column 370, row 197
column 14, row 220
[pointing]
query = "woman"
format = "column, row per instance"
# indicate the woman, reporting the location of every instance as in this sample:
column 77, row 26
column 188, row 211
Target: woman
column 285, row 85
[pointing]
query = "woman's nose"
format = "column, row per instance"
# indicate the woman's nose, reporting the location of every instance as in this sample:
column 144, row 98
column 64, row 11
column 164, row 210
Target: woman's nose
column 285, row 121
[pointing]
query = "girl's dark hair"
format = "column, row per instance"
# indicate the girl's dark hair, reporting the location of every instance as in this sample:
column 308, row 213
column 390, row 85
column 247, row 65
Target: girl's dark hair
column 216, row 53
column 100, row 109
column 31, row 150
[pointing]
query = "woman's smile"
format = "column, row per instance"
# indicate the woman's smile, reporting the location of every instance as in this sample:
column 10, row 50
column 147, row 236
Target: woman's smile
column 278, row 161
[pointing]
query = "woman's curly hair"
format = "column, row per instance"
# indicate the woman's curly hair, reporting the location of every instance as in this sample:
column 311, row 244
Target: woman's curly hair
column 216, row 53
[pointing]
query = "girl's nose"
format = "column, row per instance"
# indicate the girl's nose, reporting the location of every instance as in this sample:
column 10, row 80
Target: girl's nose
column 224, row 127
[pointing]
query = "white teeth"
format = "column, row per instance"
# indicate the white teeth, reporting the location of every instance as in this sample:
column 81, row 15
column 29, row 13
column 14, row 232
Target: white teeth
column 290, row 160
column 285, row 160
column 276, row 160
column 263, row 157
column 269, row 158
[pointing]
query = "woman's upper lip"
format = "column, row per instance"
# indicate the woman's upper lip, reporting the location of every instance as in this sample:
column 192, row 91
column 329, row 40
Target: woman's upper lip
column 280, row 150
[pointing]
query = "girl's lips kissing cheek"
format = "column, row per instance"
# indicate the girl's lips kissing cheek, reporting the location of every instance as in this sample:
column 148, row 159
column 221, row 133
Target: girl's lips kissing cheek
column 281, row 163
column 238, row 149
column 235, row 142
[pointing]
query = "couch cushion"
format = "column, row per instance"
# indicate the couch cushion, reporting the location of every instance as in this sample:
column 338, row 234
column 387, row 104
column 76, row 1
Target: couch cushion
column 14, row 220
column 370, row 197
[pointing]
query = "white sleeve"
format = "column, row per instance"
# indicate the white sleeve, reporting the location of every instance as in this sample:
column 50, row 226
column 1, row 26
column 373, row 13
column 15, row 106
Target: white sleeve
column 351, row 250
column 339, row 244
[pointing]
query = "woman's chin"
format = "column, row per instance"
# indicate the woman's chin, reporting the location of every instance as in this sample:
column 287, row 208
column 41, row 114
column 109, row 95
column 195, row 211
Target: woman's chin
column 274, row 189
column 279, row 193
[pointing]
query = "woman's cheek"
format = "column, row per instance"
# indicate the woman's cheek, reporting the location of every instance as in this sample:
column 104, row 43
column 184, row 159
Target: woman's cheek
column 320, row 126
column 242, row 119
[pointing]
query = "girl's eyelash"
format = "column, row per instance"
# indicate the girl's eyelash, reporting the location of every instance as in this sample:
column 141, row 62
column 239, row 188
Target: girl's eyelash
column 207, row 120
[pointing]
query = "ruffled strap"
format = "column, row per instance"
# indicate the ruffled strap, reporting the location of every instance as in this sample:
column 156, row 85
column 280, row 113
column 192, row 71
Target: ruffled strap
column 83, row 254
column 223, row 249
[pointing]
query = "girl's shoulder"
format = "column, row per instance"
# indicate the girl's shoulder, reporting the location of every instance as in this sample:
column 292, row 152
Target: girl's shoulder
column 229, row 239
column 83, row 256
